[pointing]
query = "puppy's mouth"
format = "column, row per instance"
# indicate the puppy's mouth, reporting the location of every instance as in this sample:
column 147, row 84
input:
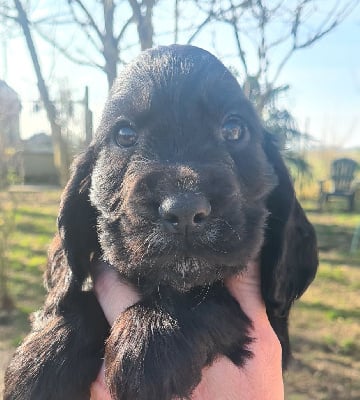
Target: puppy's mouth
column 216, row 249
column 180, row 262
column 184, row 273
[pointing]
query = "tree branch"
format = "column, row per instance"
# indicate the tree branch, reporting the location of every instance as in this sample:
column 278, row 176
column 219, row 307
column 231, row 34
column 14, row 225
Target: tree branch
column 332, row 20
column 240, row 49
column 123, row 29
column 65, row 52
column 60, row 150
column 199, row 28
column 89, row 16
column 144, row 22
column 84, row 26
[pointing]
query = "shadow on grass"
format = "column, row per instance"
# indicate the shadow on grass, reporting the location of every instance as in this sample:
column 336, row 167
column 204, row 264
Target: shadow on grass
column 34, row 228
column 306, row 378
column 36, row 214
column 332, row 313
column 351, row 261
column 328, row 345
column 334, row 237
column 17, row 247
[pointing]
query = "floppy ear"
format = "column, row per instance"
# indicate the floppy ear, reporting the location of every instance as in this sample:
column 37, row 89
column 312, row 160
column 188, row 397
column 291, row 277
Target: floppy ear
column 289, row 257
column 70, row 253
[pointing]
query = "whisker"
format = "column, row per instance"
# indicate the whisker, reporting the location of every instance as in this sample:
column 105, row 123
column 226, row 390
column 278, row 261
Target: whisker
column 231, row 228
column 203, row 297
column 214, row 249
column 143, row 243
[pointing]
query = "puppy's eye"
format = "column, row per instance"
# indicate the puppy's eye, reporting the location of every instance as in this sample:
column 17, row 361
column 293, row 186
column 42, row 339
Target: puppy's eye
column 125, row 136
column 235, row 130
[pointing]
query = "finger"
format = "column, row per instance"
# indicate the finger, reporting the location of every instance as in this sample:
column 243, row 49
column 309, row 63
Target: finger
column 113, row 294
column 246, row 289
column 98, row 389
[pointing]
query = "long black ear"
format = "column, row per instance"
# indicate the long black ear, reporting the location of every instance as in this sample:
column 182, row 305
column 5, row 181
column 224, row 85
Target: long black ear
column 69, row 256
column 289, row 257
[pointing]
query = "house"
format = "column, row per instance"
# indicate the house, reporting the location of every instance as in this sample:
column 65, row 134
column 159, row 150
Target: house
column 10, row 108
column 38, row 160
column 31, row 160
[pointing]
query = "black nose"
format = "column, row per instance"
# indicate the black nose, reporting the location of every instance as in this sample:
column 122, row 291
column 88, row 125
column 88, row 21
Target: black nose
column 184, row 213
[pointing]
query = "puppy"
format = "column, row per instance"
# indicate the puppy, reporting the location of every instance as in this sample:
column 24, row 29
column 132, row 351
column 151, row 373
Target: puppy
column 179, row 190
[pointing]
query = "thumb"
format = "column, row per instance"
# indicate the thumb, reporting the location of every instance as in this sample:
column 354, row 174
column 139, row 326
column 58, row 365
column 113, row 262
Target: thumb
column 246, row 289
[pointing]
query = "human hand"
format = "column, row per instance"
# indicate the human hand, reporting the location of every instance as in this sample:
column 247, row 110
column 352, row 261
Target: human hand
column 261, row 376
column 114, row 296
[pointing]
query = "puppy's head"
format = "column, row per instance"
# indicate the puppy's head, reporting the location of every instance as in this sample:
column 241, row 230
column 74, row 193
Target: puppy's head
column 180, row 174
column 181, row 178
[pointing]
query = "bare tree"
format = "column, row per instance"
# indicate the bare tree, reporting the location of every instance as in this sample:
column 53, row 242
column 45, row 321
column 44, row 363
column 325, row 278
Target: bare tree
column 61, row 159
column 266, row 34
column 103, row 25
column 102, row 34
column 264, row 28
column 260, row 29
column 143, row 21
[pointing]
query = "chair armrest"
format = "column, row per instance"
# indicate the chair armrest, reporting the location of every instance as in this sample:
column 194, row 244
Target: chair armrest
column 355, row 186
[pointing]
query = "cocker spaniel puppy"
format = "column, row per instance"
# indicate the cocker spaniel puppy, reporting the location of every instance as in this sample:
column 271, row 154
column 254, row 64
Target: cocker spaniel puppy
column 179, row 190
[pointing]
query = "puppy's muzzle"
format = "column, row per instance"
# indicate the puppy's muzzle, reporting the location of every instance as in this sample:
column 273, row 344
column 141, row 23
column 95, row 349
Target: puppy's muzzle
column 184, row 213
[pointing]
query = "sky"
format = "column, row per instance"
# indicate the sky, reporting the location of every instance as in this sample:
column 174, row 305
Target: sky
column 324, row 83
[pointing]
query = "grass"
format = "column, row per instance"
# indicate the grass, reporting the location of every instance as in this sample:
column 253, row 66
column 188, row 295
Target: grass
column 325, row 329
column 324, row 326
column 35, row 221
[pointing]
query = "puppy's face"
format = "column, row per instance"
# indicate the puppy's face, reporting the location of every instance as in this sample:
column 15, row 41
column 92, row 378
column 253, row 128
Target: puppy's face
column 181, row 179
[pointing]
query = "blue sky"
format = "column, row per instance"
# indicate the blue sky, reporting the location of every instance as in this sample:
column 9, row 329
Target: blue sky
column 324, row 81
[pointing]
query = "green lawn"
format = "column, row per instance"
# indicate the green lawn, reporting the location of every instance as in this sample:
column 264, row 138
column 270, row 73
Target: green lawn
column 35, row 224
column 325, row 327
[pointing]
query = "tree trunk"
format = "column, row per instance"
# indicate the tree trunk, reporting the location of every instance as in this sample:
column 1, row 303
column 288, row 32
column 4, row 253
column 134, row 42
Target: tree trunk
column 144, row 22
column 61, row 159
column 110, row 43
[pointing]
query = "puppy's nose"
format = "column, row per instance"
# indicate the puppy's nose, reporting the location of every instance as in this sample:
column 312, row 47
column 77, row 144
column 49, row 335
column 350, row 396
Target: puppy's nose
column 184, row 213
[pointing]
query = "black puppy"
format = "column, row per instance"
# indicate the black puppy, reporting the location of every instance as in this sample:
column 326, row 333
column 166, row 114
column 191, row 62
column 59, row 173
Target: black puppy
column 179, row 190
